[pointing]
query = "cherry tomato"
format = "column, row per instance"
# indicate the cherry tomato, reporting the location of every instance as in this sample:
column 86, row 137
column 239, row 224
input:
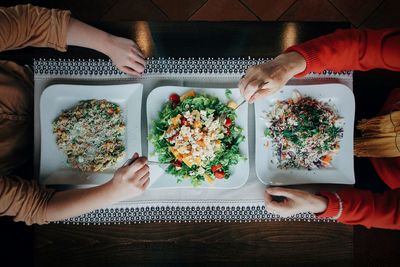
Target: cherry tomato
column 219, row 174
column 175, row 99
column 216, row 167
column 228, row 122
column 177, row 163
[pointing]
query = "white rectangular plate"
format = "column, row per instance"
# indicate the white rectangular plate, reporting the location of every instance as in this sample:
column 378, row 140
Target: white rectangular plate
column 240, row 172
column 58, row 97
column 341, row 170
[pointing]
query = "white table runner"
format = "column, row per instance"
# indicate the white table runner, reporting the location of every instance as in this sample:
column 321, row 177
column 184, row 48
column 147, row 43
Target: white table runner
column 175, row 205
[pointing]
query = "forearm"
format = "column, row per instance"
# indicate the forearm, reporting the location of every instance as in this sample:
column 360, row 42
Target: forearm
column 128, row 181
column 84, row 35
column 353, row 206
column 351, row 49
column 71, row 203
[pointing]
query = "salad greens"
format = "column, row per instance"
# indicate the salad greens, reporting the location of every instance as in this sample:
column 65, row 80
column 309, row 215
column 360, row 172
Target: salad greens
column 198, row 136
column 305, row 133
column 228, row 93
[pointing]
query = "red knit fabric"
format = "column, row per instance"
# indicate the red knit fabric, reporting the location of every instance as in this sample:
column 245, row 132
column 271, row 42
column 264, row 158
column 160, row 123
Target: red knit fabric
column 361, row 50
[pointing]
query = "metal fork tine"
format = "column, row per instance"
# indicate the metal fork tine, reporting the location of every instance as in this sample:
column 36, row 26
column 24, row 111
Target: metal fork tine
column 241, row 103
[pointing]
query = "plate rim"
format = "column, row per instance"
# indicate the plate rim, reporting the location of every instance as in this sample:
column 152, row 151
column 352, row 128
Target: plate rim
column 149, row 124
column 350, row 179
column 137, row 90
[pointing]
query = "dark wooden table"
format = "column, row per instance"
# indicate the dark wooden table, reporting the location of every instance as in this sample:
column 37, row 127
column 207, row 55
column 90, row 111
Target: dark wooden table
column 208, row 244
column 281, row 243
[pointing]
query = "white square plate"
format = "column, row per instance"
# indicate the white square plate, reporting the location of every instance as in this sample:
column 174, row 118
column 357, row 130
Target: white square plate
column 56, row 98
column 341, row 170
column 240, row 172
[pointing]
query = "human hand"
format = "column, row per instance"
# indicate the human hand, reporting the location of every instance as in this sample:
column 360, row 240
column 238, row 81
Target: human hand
column 294, row 201
column 126, row 55
column 131, row 180
column 265, row 79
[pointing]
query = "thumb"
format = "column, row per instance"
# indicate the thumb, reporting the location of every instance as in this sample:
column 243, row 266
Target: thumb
column 279, row 191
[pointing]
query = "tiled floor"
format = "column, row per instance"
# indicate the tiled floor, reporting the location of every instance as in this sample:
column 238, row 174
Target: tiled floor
column 360, row 13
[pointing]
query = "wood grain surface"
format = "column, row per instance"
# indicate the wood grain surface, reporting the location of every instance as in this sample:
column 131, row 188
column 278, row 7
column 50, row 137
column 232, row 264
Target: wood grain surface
column 168, row 244
column 233, row 244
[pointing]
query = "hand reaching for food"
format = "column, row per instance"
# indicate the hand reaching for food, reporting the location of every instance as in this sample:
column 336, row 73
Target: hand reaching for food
column 131, row 180
column 265, row 79
column 293, row 201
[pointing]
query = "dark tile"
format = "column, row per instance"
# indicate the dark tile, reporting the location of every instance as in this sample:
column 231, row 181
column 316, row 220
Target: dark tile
column 85, row 9
column 312, row 10
column 126, row 10
column 387, row 15
column 223, row 10
column 179, row 9
column 356, row 11
column 268, row 10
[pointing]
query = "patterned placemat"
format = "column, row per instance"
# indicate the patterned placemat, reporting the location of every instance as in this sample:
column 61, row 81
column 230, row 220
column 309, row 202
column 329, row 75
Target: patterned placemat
column 181, row 205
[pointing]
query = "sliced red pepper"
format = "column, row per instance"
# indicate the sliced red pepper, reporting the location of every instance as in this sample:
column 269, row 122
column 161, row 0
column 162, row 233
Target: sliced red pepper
column 228, row 132
column 216, row 167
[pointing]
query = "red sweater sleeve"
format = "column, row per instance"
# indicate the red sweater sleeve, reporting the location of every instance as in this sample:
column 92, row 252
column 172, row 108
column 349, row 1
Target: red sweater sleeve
column 351, row 50
column 354, row 206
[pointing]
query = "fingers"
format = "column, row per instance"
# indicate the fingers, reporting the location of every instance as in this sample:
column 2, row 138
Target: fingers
column 242, row 85
column 144, row 179
column 259, row 94
column 279, row 191
column 282, row 208
column 251, row 88
column 127, row 56
column 138, row 60
column 136, row 50
column 139, row 174
column 130, row 71
column 136, row 166
column 267, row 198
column 146, row 184
column 135, row 65
column 137, row 55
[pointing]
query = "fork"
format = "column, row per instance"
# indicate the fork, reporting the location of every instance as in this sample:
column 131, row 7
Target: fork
column 150, row 162
column 222, row 117
column 241, row 103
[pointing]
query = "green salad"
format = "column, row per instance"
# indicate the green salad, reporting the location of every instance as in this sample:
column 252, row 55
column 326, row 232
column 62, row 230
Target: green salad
column 198, row 136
